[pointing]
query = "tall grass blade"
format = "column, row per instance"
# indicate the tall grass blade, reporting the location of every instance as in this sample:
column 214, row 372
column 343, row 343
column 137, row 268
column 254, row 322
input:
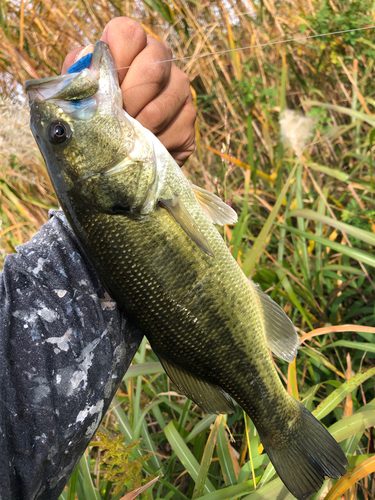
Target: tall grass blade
column 337, row 174
column 185, row 455
column 335, row 398
column 143, row 369
column 364, row 469
column 371, row 140
column 363, row 117
column 137, row 399
column 249, row 448
column 351, row 425
column 292, row 380
column 255, row 252
column 271, row 491
column 226, row 457
column 292, row 296
column 281, row 249
column 201, row 425
column 72, row 486
column 91, row 492
column 247, row 468
column 267, row 476
column 302, row 244
column 361, row 234
column 343, row 269
column 336, row 329
column 362, row 346
column 122, row 420
column 206, row 460
column 229, row 492
column 354, row 253
column 321, row 360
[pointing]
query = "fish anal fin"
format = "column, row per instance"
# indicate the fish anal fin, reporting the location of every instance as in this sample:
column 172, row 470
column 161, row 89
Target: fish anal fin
column 176, row 208
column 215, row 209
column 281, row 336
column 211, row 398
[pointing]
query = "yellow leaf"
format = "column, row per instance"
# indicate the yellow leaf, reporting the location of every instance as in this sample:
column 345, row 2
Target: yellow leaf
column 336, row 329
column 239, row 163
column 362, row 470
column 292, row 380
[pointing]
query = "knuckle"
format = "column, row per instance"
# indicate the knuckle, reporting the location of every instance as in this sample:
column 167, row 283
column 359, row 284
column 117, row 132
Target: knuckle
column 190, row 144
column 190, row 113
column 164, row 51
column 182, row 79
column 168, row 51
column 128, row 27
column 186, row 80
column 156, row 73
column 152, row 116
column 134, row 31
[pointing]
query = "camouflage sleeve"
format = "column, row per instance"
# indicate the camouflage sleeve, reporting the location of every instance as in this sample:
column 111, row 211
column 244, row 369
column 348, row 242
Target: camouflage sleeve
column 64, row 349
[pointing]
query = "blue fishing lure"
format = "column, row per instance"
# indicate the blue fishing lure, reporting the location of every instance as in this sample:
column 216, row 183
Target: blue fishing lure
column 81, row 64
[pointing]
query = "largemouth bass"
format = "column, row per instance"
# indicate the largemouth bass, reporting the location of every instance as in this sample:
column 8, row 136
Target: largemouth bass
column 150, row 235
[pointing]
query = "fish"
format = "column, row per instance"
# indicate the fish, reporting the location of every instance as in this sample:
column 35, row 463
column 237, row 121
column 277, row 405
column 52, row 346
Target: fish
column 151, row 237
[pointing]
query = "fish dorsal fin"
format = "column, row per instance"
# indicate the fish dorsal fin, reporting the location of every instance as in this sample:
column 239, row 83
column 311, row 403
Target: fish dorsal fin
column 280, row 333
column 211, row 398
column 188, row 224
column 215, row 209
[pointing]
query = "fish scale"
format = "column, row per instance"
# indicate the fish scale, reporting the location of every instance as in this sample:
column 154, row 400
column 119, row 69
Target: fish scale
column 150, row 236
column 173, row 305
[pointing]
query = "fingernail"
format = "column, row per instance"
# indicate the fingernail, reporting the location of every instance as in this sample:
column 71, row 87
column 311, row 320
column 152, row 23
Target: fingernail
column 87, row 50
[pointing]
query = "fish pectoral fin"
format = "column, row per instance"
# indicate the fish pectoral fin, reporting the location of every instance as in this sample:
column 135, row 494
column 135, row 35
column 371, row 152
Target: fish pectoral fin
column 215, row 209
column 176, row 208
column 280, row 333
column 211, row 398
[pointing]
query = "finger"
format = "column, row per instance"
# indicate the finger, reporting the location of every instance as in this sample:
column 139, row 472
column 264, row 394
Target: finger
column 126, row 39
column 179, row 136
column 146, row 77
column 70, row 59
column 163, row 109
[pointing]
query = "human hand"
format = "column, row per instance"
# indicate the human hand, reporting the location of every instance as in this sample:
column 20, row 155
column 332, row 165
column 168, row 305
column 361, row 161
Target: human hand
column 157, row 95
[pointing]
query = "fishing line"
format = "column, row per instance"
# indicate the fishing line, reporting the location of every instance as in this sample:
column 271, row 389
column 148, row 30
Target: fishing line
column 226, row 51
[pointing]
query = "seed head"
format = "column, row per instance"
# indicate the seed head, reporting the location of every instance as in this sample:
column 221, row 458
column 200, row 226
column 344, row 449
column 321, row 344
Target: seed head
column 296, row 130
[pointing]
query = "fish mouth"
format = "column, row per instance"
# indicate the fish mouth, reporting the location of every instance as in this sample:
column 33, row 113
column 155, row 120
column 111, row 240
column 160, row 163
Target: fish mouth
column 63, row 87
column 100, row 75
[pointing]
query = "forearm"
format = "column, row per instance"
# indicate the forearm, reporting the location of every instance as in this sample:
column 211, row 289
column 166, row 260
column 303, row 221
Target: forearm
column 64, row 348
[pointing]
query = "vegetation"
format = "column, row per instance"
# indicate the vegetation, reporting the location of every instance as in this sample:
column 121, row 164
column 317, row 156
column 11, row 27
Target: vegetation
column 304, row 190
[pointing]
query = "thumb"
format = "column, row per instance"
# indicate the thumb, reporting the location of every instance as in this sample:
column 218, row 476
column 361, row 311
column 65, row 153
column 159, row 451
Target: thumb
column 74, row 56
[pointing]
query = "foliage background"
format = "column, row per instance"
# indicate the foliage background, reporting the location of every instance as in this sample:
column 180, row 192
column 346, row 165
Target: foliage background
column 319, row 266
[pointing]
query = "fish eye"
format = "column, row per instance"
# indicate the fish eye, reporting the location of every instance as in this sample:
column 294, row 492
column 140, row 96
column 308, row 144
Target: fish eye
column 58, row 132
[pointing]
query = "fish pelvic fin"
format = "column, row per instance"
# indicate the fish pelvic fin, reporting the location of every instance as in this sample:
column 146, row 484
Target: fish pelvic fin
column 281, row 336
column 211, row 398
column 214, row 208
column 305, row 454
column 178, row 210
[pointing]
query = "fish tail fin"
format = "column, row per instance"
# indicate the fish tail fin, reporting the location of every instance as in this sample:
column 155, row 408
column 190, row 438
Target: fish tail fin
column 304, row 454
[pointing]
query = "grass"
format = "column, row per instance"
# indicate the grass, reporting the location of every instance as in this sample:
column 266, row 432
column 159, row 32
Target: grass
column 305, row 231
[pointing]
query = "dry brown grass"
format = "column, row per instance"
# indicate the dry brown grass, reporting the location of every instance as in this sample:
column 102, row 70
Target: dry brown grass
column 239, row 97
column 228, row 88
column 26, row 190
